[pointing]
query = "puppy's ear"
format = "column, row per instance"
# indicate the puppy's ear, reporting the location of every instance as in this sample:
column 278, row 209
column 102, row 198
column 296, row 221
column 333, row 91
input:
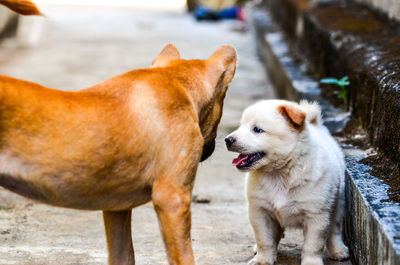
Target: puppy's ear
column 294, row 116
column 168, row 54
column 222, row 66
column 23, row 7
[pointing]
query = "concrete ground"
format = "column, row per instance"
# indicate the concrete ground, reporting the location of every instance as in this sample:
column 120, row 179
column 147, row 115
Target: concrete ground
column 83, row 46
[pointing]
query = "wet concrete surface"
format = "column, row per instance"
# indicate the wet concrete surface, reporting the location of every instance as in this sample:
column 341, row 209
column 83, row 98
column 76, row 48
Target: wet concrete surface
column 83, row 46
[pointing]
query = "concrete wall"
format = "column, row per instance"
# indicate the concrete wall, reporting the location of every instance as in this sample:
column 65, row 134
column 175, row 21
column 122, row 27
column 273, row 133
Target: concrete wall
column 390, row 7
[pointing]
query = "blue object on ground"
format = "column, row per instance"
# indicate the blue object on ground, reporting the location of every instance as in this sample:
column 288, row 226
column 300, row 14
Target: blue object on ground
column 202, row 13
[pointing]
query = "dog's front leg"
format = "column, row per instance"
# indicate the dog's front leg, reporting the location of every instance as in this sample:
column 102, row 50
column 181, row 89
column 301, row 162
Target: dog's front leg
column 315, row 232
column 267, row 232
column 119, row 239
column 172, row 204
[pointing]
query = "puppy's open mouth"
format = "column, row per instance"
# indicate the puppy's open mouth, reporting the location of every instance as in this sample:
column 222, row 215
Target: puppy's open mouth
column 246, row 160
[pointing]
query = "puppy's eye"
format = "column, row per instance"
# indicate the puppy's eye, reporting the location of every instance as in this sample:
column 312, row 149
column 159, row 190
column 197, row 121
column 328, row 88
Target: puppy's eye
column 257, row 130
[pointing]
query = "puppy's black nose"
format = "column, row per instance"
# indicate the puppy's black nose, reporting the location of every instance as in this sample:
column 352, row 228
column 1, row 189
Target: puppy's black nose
column 229, row 141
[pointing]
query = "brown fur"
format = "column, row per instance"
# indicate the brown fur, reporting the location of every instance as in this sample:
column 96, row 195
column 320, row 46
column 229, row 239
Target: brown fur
column 294, row 116
column 133, row 138
column 23, row 7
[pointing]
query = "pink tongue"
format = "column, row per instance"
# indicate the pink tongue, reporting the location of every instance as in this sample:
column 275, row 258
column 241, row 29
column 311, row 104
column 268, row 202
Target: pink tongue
column 239, row 160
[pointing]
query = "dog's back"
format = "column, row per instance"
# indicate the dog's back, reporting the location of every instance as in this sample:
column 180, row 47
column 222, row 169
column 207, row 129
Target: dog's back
column 55, row 145
column 320, row 135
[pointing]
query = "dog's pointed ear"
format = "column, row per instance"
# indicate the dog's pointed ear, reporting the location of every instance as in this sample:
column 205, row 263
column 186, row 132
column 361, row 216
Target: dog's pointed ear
column 294, row 116
column 222, row 66
column 23, row 7
column 169, row 53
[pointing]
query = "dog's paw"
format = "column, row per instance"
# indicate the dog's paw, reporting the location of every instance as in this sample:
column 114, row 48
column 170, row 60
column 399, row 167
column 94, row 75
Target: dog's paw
column 340, row 255
column 307, row 260
column 255, row 249
column 261, row 260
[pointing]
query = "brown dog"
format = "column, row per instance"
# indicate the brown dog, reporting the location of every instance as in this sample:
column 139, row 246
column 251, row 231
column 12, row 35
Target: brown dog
column 131, row 139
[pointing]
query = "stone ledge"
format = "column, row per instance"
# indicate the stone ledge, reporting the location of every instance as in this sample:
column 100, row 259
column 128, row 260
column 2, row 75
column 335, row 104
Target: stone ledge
column 372, row 228
column 348, row 39
column 371, row 225
column 341, row 38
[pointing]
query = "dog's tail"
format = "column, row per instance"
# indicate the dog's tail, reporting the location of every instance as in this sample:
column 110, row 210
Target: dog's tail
column 313, row 112
column 23, row 7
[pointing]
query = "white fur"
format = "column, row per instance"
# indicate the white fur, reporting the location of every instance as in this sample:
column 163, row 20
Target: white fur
column 299, row 183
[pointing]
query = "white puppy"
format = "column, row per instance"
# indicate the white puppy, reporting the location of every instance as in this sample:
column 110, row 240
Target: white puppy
column 295, row 178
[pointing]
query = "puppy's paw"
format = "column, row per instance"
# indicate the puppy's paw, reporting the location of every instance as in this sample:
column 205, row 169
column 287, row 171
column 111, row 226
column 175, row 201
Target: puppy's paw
column 255, row 249
column 309, row 260
column 340, row 254
column 258, row 262
column 261, row 260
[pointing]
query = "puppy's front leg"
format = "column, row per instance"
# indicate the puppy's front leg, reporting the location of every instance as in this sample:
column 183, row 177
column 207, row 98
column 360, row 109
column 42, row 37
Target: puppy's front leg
column 267, row 232
column 119, row 239
column 172, row 204
column 315, row 231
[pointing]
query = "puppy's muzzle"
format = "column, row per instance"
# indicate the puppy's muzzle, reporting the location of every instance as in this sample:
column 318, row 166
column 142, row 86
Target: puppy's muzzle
column 229, row 142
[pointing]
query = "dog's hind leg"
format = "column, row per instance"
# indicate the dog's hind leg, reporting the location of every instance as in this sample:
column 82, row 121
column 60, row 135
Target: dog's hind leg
column 336, row 248
column 119, row 239
column 315, row 233
column 172, row 204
